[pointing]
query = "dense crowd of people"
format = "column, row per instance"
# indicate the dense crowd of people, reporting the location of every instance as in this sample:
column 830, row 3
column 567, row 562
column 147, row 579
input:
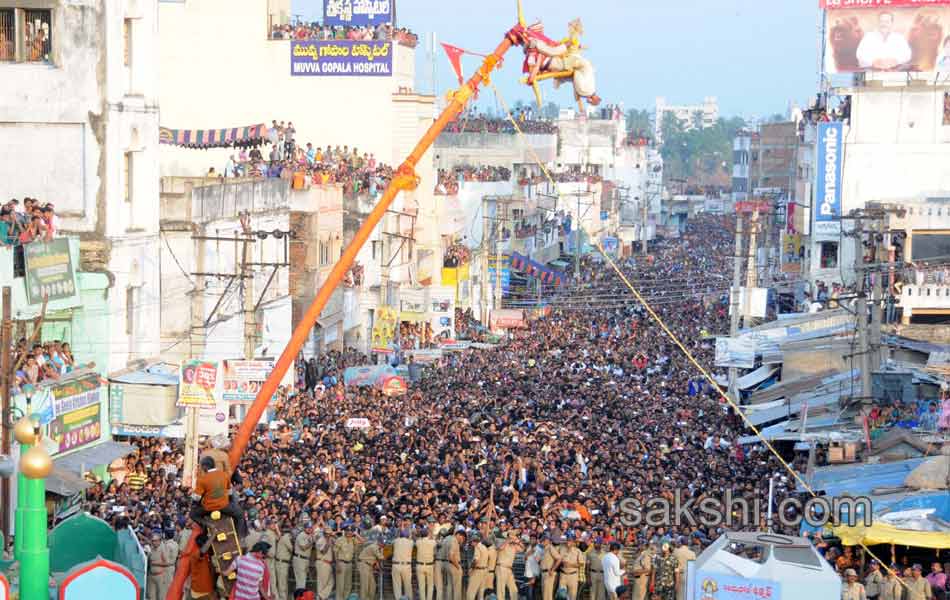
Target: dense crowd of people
column 537, row 442
column 383, row 32
column 32, row 221
column 41, row 361
column 305, row 165
column 448, row 180
column 485, row 124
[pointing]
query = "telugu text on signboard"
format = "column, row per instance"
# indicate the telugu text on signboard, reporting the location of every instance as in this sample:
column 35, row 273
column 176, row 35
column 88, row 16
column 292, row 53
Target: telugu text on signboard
column 346, row 58
column 49, row 271
column 358, row 13
column 197, row 384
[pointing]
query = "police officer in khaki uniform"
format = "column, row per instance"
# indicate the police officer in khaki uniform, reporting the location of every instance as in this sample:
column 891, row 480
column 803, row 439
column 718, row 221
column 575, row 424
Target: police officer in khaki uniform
column 369, row 561
column 874, row 582
column 161, row 566
column 595, row 558
column 504, row 568
column 452, row 575
column 344, row 549
column 425, row 561
column 851, row 589
column 683, row 555
column 324, row 562
column 918, row 588
column 488, row 582
column 303, row 547
column 642, row 572
column 479, row 568
column 402, row 564
column 270, row 535
column 438, row 574
column 572, row 562
column 550, row 563
column 282, row 557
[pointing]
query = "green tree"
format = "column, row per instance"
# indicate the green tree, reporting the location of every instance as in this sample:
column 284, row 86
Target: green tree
column 640, row 121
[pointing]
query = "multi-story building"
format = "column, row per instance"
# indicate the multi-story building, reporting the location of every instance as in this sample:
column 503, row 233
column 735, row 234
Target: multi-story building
column 692, row 116
column 380, row 116
column 79, row 123
column 745, row 157
column 891, row 145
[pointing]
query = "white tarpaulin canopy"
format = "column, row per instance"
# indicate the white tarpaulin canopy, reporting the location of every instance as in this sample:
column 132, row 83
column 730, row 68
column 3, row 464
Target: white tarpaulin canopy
column 756, row 377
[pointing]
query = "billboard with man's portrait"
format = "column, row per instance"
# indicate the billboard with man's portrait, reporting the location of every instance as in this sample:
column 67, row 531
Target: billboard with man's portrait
column 887, row 35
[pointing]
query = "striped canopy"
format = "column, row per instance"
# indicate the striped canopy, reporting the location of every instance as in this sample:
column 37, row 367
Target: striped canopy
column 536, row 269
column 251, row 135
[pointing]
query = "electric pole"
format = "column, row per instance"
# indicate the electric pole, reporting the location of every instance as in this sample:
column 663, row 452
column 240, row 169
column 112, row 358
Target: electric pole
column 861, row 313
column 752, row 271
column 483, row 287
column 499, row 225
column 643, row 229
column 734, row 301
column 877, row 291
column 247, row 287
column 6, row 373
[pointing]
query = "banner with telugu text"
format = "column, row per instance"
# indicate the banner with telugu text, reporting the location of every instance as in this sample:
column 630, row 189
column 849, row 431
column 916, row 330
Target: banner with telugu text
column 357, row 13
column 341, row 58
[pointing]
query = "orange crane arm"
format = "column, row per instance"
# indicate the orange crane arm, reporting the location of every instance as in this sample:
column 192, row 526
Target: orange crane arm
column 405, row 179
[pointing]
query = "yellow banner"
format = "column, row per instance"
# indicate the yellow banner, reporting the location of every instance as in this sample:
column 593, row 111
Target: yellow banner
column 80, row 415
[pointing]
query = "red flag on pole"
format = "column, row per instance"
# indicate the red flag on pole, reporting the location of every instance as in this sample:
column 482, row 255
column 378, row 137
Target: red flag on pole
column 455, row 57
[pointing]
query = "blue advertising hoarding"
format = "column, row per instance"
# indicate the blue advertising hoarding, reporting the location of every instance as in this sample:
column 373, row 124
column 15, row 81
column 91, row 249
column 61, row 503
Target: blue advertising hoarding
column 336, row 58
column 357, row 13
column 828, row 168
column 717, row 586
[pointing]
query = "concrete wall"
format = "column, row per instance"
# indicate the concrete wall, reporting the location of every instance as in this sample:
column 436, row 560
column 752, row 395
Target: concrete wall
column 496, row 149
column 238, row 77
column 70, row 125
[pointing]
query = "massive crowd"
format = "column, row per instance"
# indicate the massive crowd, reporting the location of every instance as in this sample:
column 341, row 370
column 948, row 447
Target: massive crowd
column 315, row 31
column 448, row 179
column 536, row 440
column 484, row 124
column 305, row 165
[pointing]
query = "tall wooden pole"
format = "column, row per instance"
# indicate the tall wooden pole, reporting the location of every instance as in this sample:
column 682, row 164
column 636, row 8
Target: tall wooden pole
column 405, row 178
column 6, row 374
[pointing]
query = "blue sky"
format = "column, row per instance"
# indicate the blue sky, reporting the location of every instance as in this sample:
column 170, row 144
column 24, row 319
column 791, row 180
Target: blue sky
column 753, row 55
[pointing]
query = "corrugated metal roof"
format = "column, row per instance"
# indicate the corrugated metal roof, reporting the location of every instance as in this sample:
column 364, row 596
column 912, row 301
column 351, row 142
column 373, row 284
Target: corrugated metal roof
column 860, row 479
column 157, row 374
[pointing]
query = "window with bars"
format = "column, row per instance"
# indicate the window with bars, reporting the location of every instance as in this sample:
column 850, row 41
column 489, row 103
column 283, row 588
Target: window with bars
column 7, row 35
column 127, row 42
column 37, row 33
column 127, row 178
column 26, row 35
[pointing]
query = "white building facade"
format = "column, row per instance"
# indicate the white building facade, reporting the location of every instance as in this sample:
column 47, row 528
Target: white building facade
column 706, row 114
column 79, row 129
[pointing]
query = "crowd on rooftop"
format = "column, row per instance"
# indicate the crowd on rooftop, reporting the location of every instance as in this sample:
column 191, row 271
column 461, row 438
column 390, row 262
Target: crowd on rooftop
column 384, row 32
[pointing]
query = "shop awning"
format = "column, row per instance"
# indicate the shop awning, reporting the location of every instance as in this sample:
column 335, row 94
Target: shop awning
column 88, row 458
column 63, row 483
column 251, row 135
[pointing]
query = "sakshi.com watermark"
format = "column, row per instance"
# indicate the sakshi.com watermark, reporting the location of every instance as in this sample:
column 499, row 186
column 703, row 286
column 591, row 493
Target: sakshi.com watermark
column 734, row 511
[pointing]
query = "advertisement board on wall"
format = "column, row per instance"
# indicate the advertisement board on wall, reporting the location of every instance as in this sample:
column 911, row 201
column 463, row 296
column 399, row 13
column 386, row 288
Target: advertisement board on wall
column 791, row 253
column 341, row 58
column 357, row 12
column 242, row 379
column 198, row 382
column 71, row 412
column 828, row 170
column 49, row 271
column 886, row 35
